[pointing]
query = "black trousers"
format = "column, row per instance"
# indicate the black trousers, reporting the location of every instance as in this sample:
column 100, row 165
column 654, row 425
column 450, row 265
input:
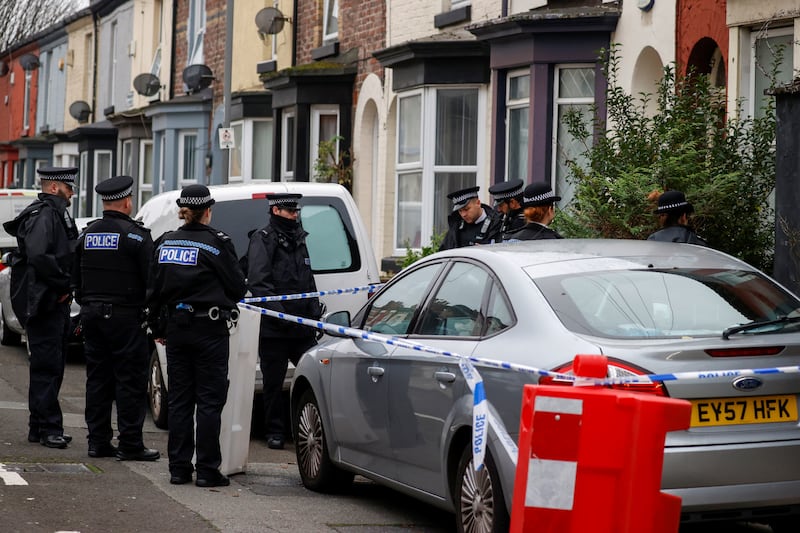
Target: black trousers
column 115, row 347
column 47, row 343
column 197, row 368
column 275, row 354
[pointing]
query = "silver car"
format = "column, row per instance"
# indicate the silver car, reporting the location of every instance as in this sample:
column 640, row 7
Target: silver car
column 402, row 417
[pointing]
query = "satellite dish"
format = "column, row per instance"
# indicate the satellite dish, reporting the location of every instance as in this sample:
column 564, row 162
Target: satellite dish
column 146, row 84
column 197, row 77
column 80, row 111
column 3, row 68
column 29, row 62
column 270, row 21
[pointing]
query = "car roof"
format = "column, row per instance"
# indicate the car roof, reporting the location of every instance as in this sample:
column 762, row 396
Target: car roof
column 238, row 191
column 553, row 256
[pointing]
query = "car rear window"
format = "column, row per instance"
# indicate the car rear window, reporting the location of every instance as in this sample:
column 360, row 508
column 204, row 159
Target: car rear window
column 666, row 303
column 331, row 243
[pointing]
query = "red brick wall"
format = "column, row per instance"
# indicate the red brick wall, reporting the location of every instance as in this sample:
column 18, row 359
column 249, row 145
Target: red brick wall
column 363, row 25
column 11, row 110
column 697, row 19
column 213, row 46
column 309, row 29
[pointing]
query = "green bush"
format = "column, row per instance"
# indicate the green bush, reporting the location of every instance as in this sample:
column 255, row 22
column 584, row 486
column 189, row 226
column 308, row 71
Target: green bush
column 726, row 167
column 413, row 255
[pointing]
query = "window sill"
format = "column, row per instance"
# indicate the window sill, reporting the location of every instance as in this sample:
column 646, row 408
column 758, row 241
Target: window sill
column 448, row 18
column 326, row 50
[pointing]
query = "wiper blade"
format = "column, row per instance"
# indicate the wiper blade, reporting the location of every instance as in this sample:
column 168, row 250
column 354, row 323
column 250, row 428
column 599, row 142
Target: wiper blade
column 759, row 324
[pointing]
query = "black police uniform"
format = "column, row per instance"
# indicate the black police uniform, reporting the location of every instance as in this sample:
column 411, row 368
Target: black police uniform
column 485, row 231
column 110, row 279
column 279, row 264
column 533, row 231
column 195, row 285
column 677, row 233
column 40, row 275
column 505, row 191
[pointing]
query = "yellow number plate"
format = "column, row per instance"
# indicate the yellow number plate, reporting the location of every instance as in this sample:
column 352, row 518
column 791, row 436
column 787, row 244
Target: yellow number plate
column 755, row 410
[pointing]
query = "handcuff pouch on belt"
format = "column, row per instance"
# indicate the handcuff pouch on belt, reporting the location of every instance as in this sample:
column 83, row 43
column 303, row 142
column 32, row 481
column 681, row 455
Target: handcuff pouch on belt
column 185, row 312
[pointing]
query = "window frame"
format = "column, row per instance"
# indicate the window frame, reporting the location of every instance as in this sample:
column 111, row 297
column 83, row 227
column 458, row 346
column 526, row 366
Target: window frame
column 426, row 164
column 287, row 171
column 328, row 36
column 182, row 158
column 97, row 205
column 144, row 187
column 317, row 112
column 556, row 103
column 195, row 31
column 751, row 68
column 112, row 78
column 512, row 105
column 246, row 146
column 26, row 115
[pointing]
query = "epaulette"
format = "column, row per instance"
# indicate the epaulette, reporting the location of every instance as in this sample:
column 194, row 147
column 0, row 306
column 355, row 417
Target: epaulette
column 221, row 235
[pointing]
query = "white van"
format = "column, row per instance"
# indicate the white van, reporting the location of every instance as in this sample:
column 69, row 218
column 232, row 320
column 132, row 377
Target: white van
column 12, row 202
column 338, row 245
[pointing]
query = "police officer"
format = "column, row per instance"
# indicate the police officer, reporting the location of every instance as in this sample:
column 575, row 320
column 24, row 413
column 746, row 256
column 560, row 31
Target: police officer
column 110, row 279
column 508, row 202
column 40, row 294
column 192, row 295
column 673, row 215
column 279, row 264
column 470, row 221
column 539, row 207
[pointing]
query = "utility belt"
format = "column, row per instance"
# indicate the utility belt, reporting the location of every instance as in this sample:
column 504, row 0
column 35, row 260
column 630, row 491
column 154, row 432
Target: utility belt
column 107, row 310
column 183, row 313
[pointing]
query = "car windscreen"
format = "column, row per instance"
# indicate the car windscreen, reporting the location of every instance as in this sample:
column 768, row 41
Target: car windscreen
column 331, row 243
column 667, row 303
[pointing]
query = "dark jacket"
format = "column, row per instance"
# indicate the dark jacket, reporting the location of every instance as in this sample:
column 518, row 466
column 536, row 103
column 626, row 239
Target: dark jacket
column 487, row 231
column 512, row 222
column 678, row 233
column 278, row 263
column 42, row 266
column 533, row 231
column 112, row 261
column 194, row 265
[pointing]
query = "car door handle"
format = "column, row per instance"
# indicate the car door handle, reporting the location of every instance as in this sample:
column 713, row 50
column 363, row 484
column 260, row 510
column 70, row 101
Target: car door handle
column 445, row 377
column 375, row 371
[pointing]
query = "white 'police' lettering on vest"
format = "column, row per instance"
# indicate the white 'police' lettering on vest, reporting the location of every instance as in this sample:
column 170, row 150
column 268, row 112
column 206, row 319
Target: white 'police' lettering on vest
column 178, row 255
column 101, row 241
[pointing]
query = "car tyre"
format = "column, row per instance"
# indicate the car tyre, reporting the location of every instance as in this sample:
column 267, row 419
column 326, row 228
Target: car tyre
column 317, row 471
column 479, row 502
column 157, row 392
column 8, row 337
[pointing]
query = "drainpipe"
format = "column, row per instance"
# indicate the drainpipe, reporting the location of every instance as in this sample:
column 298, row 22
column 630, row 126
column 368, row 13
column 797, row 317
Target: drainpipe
column 226, row 122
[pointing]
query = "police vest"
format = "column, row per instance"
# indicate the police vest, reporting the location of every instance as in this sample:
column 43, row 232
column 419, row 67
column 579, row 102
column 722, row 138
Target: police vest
column 110, row 263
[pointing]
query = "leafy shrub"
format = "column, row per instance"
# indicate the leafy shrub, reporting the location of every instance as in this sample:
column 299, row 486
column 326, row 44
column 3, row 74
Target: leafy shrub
column 725, row 166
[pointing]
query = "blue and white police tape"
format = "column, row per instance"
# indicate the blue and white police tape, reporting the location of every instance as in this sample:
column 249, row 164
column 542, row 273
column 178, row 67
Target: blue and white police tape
column 481, row 417
column 475, row 382
column 302, row 295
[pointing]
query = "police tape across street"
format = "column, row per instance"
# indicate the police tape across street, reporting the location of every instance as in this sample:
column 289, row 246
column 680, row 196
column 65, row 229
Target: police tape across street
column 481, row 412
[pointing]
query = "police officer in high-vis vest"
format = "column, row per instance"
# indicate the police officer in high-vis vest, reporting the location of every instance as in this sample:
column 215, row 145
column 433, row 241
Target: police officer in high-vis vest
column 110, row 280
column 194, row 288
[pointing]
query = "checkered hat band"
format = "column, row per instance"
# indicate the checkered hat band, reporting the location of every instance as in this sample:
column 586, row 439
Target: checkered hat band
column 282, row 201
column 58, row 177
column 540, row 197
column 507, row 195
column 117, row 195
column 672, row 206
column 466, row 196
column 195, row 200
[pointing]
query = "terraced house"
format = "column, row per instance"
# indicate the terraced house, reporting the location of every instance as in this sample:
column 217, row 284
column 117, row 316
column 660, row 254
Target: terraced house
column 400, row 100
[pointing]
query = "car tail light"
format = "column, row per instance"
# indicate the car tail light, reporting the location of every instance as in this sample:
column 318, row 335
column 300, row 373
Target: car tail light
column 616, row 369
column 745, row 352
column 259, row 195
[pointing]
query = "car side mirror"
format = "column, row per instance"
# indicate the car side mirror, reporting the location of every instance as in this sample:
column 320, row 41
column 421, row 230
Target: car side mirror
column 339, row 318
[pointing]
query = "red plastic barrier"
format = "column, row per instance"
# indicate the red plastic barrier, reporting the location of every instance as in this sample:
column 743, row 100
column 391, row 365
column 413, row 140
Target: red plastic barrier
column 590, row 459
